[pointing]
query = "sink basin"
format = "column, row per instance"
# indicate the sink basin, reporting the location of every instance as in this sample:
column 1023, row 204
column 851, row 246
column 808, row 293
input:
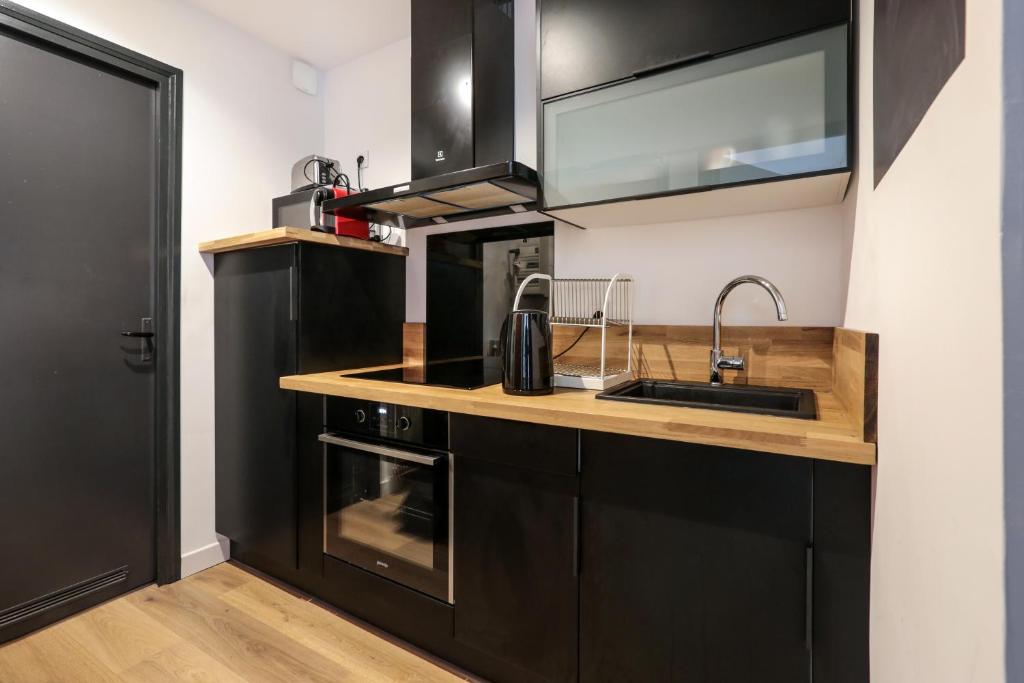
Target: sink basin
column 798, row 403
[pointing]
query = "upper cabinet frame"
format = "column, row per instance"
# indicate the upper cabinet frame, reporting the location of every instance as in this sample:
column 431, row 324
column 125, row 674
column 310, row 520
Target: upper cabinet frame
column 739, row 111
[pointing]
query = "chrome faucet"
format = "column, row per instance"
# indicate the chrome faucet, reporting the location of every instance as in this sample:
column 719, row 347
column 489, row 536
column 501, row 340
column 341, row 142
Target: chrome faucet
column 718, row 361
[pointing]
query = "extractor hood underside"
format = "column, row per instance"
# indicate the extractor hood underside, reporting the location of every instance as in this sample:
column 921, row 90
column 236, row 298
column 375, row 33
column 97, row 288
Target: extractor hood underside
column 507, row 187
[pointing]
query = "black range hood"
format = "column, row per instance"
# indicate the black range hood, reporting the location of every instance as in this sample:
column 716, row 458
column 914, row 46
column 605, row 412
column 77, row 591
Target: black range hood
column 463, row 122
column 507, row 187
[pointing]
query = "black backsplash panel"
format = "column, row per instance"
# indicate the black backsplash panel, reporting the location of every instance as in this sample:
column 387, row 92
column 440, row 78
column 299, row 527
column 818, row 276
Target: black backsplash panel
column 455, row 287
column 455, row 293
column 918, row 46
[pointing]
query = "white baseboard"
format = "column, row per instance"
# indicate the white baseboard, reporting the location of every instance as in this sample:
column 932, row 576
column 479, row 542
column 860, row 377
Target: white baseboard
column 203, row 558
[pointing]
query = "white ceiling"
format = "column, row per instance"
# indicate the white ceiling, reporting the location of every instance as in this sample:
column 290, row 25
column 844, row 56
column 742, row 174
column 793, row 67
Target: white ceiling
column 324, row 33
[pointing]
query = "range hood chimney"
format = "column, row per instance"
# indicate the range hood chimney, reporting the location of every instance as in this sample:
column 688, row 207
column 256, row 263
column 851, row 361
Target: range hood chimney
column 463, row 122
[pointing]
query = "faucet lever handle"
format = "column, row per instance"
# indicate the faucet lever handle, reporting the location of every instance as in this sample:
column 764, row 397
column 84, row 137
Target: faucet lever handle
column 730, row 363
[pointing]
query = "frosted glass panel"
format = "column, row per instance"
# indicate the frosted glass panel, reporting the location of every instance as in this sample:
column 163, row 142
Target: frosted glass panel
column 773, row 111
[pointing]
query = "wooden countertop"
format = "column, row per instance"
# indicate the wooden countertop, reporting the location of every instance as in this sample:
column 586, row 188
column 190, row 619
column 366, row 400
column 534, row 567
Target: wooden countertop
column 267, row 238
column 836, row 435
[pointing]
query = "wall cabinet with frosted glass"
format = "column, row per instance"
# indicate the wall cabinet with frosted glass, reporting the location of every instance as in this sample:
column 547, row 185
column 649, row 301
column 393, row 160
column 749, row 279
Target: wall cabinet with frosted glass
column 671, row 110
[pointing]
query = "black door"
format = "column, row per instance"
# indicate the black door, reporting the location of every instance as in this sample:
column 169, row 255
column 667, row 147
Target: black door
column 694, row 563
column 79, row 204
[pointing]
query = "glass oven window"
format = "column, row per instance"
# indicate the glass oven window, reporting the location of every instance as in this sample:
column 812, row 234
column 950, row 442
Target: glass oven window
column 389, row 514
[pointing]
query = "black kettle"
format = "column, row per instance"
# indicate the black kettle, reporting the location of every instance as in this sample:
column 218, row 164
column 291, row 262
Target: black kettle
column 527, row 367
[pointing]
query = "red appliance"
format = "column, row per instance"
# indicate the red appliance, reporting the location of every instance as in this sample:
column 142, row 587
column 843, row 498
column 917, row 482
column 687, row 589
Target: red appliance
column 348, row 227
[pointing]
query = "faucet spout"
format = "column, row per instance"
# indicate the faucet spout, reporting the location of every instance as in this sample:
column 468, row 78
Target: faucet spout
column 718, row 361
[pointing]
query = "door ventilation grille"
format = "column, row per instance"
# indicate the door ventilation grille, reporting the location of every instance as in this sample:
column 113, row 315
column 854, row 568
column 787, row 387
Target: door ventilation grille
column 31, row 608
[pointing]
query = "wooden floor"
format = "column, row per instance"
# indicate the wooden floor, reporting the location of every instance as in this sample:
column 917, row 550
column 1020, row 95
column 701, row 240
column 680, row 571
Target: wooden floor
column 222, row 625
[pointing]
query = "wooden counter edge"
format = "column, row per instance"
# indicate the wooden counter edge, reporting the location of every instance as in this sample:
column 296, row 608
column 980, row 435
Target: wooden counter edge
column 855, row 379
column 275, row 236
column 837, row 447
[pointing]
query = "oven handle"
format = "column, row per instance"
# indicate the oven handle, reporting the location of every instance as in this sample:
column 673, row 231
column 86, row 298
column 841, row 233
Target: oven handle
column 380, row 450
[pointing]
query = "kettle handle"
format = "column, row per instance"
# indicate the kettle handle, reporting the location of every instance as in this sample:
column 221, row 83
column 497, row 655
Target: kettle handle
column 522, row 287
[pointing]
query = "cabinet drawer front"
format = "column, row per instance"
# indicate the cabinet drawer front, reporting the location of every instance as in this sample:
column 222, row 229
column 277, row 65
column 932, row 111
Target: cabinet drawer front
column 517, row 444
column 585, row 43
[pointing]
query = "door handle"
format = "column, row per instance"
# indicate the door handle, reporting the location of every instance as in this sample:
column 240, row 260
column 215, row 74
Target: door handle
column 333, row 440
column 576, row 536
column 144, row 335
column 809, row 599
column 671, row 64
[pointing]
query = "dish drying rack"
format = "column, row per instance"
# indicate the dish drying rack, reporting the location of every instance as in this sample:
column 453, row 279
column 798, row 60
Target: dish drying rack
column 586, row 303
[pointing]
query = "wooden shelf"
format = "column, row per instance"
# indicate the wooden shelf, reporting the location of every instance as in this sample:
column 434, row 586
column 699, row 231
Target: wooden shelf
column 268, row 238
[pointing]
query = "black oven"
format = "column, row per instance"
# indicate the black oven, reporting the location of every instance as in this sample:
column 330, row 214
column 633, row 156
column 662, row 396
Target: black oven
column 387, row 492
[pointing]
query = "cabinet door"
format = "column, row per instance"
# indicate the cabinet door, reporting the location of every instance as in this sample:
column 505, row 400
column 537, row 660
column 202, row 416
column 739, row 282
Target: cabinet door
column 767, row 113
column 694, row 563
column 351, row 308
column 585, row 43
column 255, row 344
column 842, row 571
column 516, row 587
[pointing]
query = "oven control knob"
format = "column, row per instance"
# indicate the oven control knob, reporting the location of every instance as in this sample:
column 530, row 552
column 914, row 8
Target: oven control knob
column 403, row 423
column 360, row 416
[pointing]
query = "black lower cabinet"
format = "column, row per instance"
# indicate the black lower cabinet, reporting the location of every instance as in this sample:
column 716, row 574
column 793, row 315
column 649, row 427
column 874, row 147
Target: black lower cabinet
column 695, row 563
column 255, row 345
column 516, row 561
column 585, row 556
column 283, row 310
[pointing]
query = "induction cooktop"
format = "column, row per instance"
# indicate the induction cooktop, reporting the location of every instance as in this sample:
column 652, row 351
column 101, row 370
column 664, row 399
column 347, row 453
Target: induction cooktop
column 458, row 374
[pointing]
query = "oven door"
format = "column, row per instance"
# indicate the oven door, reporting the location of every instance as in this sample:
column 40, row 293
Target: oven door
column 387, row 510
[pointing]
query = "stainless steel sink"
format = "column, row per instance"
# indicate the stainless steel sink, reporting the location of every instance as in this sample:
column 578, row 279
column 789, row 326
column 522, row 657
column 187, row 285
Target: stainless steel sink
column 798, row 403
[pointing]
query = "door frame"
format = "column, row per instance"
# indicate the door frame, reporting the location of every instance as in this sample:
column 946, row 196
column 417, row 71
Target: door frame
column 167, row 80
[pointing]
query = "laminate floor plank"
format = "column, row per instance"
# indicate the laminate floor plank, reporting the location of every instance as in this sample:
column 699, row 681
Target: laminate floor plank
column 52, row 656
column 367, row 655
column 251, row 649
column 119, row 634
column 183, row 662
column 221, row 578
column 223, row 625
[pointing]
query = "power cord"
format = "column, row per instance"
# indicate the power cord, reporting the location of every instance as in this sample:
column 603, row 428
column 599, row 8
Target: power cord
column 380, row 237
column 360, row 160
column 597, row 314
column 339, row 177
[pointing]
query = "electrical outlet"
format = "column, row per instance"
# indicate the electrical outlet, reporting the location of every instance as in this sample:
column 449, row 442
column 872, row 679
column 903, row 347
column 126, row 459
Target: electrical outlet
column 366, row 158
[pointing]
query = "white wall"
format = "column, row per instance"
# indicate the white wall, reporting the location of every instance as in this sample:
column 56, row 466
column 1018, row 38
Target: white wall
column 244, row 127
column 679, row 267
column 366, row 105
column 925, row 274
